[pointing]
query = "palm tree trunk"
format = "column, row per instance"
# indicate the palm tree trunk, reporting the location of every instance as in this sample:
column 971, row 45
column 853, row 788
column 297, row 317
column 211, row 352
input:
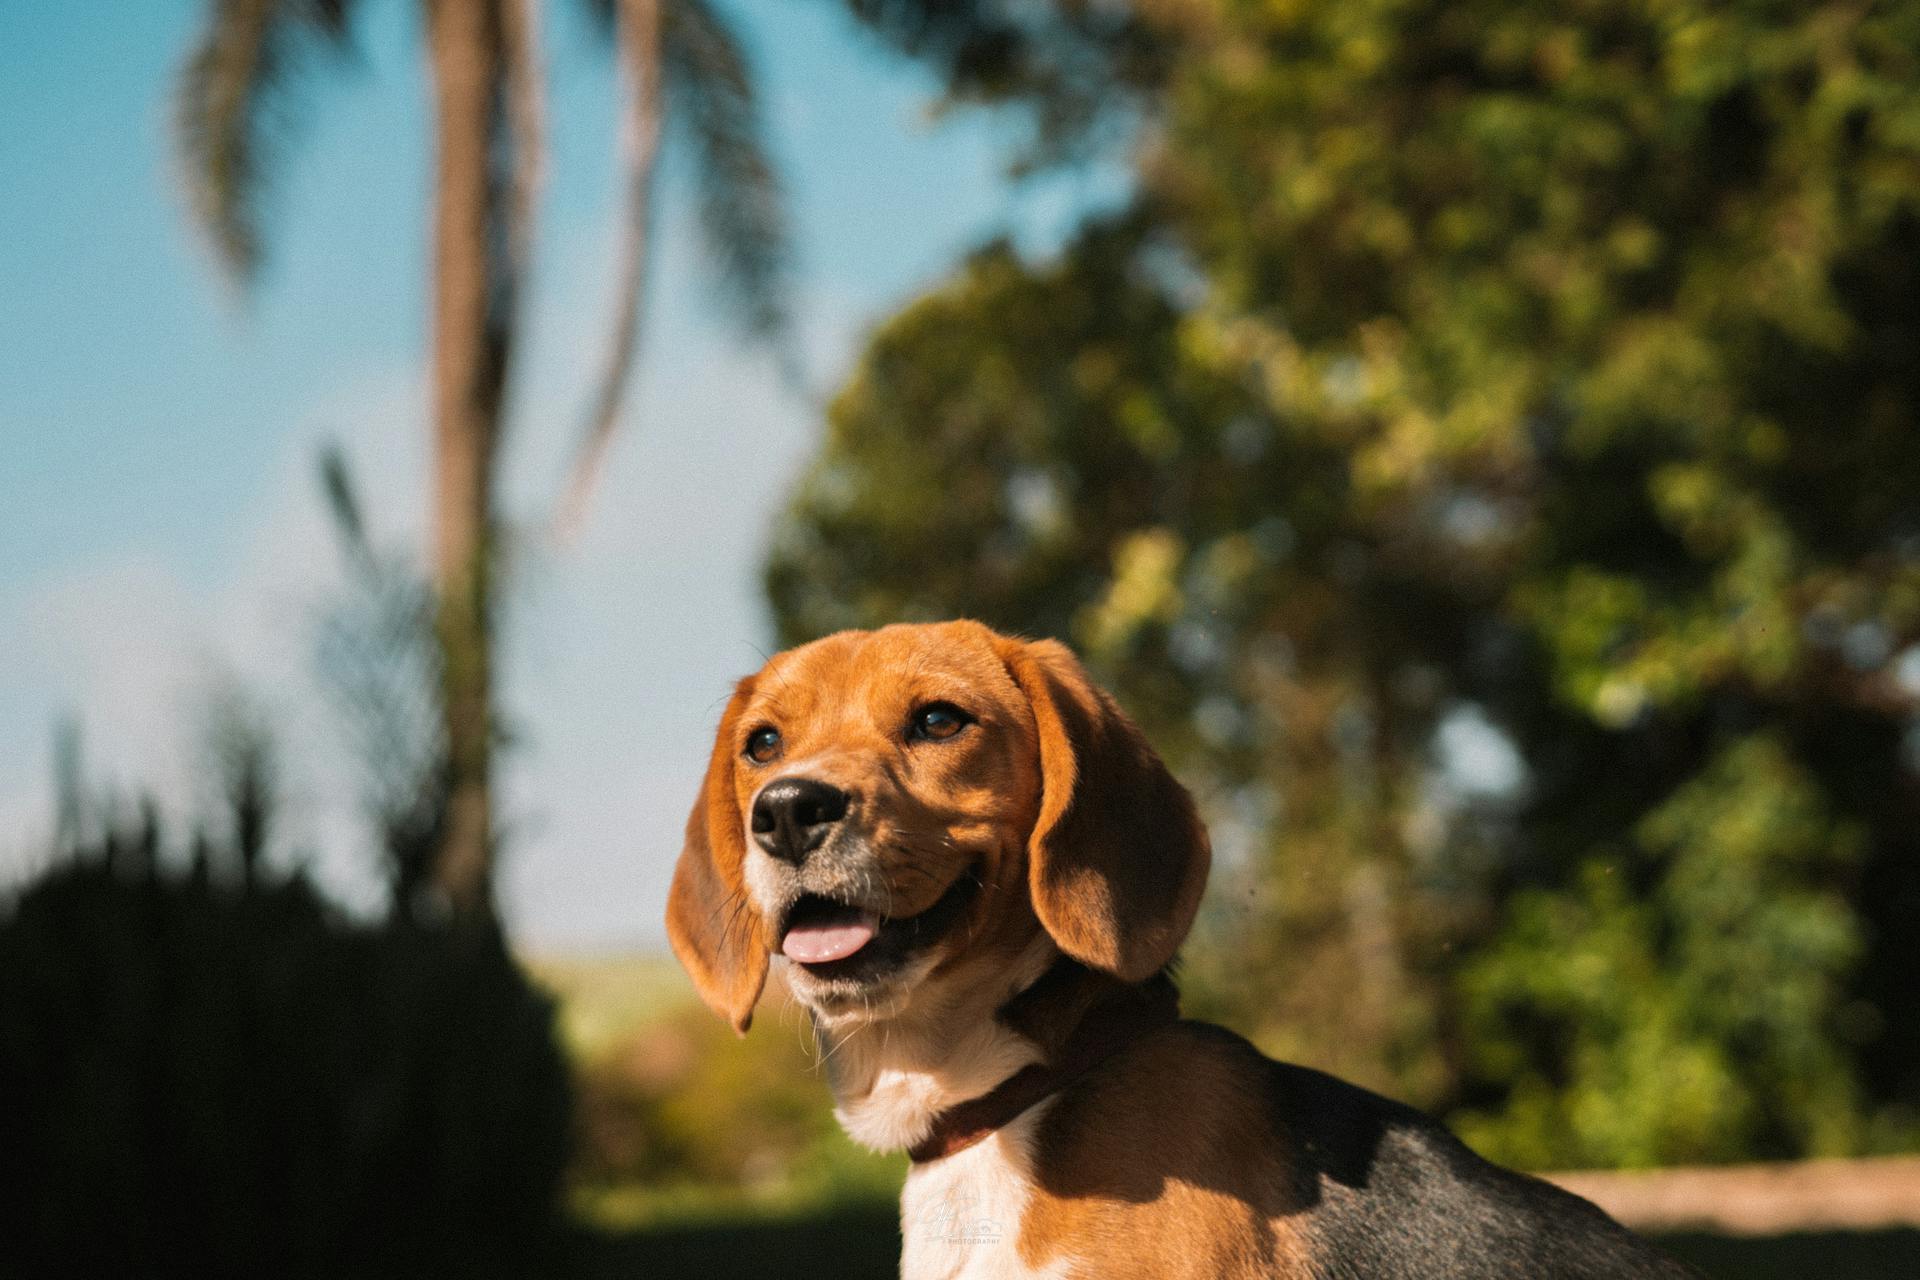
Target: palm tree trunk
column 472, row 309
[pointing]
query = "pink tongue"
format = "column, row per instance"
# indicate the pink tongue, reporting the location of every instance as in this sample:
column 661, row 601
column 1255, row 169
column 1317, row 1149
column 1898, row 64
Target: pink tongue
column 820, row 943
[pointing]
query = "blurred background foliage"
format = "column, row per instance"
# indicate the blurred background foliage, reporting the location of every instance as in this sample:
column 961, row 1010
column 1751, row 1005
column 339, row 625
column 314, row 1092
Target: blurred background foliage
column 1484, row 456
column 678, row 1119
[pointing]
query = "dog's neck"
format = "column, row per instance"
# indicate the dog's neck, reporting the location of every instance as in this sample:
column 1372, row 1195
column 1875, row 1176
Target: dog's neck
column 895, row 1081
column 892, row 1077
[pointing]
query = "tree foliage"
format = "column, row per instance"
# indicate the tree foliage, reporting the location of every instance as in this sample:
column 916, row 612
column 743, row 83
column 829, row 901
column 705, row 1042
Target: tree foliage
column 1485, row 457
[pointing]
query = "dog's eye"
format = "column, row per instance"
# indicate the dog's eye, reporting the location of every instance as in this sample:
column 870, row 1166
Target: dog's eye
column 763, row 744
column 937, row 721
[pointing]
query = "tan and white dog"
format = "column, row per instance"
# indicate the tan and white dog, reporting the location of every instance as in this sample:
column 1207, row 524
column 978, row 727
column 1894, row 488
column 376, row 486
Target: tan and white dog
column 977, row 873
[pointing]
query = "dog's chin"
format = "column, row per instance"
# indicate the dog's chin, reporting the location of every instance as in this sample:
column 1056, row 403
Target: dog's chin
column 877, row 980
column 842, row 1003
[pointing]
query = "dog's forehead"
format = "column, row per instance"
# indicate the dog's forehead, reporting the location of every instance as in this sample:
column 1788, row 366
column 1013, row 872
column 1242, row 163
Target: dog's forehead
column 905, row 660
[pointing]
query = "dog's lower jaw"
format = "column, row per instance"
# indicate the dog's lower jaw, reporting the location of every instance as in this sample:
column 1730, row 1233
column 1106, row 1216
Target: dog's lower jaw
column 892, row 1076
column 838, row 1014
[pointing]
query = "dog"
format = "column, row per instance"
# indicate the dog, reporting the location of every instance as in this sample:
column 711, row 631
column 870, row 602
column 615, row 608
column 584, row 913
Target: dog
column 976, row 873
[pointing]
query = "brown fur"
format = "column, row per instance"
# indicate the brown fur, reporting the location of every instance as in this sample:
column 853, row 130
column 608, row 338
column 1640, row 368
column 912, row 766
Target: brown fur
column 1216, row 1198
column 1118, row 858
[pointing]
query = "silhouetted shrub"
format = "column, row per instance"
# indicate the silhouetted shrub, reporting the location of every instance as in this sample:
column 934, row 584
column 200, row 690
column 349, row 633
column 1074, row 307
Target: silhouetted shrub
column 207, row 1078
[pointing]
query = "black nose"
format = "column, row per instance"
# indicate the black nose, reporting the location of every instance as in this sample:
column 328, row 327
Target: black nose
column 792, row 816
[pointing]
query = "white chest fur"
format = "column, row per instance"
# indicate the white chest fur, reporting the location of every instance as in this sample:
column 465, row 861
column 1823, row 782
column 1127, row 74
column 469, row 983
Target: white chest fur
column 960, row 1216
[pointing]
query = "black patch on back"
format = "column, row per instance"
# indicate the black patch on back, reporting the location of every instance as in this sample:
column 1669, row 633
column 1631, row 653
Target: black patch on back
column 1392, row 1195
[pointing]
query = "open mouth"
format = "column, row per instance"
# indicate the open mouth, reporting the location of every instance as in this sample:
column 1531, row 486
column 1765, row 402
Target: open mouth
column 835, row 940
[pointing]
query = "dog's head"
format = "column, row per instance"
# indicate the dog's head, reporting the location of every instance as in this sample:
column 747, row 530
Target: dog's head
column 909, row 808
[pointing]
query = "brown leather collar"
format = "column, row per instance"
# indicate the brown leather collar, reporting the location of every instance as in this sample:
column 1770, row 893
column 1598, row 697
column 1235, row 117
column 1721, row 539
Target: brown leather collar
column 1108, row 1027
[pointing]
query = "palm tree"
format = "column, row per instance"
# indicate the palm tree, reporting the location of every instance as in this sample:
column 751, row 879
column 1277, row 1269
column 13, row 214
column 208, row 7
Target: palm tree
column 681, row 62
column 237, row 99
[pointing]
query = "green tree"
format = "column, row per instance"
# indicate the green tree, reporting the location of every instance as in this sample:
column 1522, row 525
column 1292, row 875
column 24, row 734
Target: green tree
column 238, row 99
column 1467, row 385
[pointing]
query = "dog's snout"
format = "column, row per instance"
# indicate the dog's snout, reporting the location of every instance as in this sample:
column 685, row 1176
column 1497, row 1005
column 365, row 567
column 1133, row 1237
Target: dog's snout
column 792, row 816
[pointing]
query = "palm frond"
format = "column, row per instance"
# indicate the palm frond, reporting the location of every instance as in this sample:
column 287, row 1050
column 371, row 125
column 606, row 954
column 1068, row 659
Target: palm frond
column 343, row 505
column 743, row 217
column 604, row 13
column 636, row 28
column 683, row 65
column 1084, row 68
column 236, row 105
column 974, row 43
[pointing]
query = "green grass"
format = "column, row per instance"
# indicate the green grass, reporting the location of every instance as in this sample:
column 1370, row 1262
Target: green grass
column 862, row 1242
column 604, row 997
column 850, row 1243
column 838, row 1179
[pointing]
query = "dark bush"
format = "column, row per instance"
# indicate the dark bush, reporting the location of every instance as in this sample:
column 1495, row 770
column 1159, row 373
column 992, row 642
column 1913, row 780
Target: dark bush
column 208, row 1078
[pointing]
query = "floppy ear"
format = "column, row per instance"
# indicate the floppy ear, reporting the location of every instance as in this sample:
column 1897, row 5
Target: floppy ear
column 1118, row 857
column 711, row 920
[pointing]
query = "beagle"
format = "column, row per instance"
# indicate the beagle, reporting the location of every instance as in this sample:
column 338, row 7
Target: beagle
column 976, row 873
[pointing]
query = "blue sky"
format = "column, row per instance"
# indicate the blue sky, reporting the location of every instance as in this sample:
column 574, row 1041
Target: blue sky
column 159, row 525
